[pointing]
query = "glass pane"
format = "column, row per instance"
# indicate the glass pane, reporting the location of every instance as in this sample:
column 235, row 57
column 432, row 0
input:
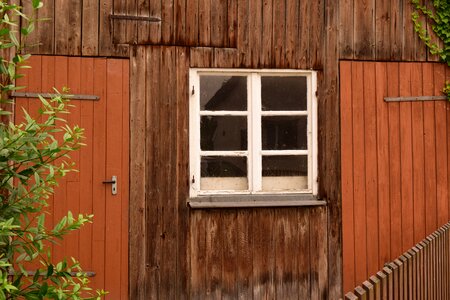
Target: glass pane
column 222, row 133
column 283, row 93
column 223, row 173
column 223, row 93
column 284, row 133
column 284, row 173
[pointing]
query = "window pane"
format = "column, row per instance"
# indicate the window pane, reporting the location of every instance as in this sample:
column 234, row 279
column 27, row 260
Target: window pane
column 284, row 133
column 223, row 93
column 222, row 133
column 284, row 172
column 283, row 93
column 223, row 173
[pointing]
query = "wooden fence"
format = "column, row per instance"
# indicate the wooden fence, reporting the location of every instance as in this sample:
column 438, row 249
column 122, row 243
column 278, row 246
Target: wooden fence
column 422, row 272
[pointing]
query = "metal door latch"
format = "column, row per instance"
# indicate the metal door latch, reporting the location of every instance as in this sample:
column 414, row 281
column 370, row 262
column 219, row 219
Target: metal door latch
column 113, row 183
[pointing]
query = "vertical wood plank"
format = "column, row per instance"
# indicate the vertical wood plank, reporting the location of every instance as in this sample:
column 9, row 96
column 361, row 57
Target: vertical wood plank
column 383, row 158
column 406, row 158
column 267, row 33
column 419, row 149
column 359, row 174
column 167, row 21
column 182, row 55
column 429, row 153
column 255, row 29
column 125, row 167
column 371, row 184
column 213, row 261
column 319, row 264
column 192, row 22
column 396, row 30
column 179, row 13
column 90, row 25
column 317, row 34
column 441, row 148
column 304, row 262
column 245, row 254
column 154, row 203
column 99, row 174
column 302, row 53
column 279, row 33
column 263, row 260
column 364, row 34
column 286, row 259
column 198, row 255
column 204, row 22
column 153, row 32
column 138, row 177
column 394, row 153
column 348, row 238
column 232, row 23
column 346, row 28
column 218, row 23
column 229, row 254
column 113, row 167
column 382, row 30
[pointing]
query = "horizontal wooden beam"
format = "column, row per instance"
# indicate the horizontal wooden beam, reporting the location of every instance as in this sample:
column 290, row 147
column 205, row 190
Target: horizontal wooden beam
column 418, row 98
column 48, row 95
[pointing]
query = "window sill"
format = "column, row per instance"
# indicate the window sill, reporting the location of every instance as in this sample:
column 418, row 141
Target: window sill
column 243, row 201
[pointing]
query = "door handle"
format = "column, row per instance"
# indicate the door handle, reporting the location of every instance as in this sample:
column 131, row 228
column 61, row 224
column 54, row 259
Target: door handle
column 113, row 183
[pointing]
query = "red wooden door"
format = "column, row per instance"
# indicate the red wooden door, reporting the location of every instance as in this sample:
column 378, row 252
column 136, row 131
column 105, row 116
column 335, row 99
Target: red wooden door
column 395, row 161
column 101, row 247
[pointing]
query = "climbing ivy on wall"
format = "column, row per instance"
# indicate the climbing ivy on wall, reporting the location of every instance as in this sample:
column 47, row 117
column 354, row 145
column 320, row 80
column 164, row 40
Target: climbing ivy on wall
column 439, row 18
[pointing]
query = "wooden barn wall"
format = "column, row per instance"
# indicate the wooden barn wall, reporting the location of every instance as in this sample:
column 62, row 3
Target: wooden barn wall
column 74, row 27
column 395, row 162
column 283, row 253
column 379, row 30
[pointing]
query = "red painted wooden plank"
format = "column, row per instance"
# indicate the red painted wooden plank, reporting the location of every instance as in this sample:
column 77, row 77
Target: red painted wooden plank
column 406, row 158
column 125, row 178
column 348, row 238
column 370, row 146
column 99, row 189
column 418, row 149
column 86, row 163
column 441, row 147
column 113, row 168
column 429, row 153
column 60, row 203
column 359, row 173
column 394, row 165
column 382, row 113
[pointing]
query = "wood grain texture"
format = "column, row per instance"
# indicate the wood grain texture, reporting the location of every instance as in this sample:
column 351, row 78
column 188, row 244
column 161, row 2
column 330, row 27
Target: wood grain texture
column 101, row 247
column 392, row 195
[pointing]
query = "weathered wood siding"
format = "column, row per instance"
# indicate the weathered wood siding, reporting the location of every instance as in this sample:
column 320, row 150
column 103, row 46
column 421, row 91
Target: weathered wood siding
column 395, row 162
column 181, row 22
column 279, row 253
column 74, row 27
column 379, row 30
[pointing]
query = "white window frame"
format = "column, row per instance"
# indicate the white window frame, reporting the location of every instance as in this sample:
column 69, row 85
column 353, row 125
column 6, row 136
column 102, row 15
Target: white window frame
column 254, row 114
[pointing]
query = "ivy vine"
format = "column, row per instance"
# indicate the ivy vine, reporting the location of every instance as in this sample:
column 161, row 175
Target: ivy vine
column 439, row 18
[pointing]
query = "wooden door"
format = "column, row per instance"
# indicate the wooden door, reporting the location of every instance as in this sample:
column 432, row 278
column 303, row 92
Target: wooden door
column 101, row 247
column 395, row 161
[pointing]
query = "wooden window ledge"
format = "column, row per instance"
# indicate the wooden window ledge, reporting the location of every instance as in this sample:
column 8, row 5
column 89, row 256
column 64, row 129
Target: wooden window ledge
column 266, row 200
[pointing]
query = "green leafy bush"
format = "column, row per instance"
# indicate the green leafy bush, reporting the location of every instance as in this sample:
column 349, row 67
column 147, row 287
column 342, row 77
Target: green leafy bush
column 439, row 17
column 34, row 154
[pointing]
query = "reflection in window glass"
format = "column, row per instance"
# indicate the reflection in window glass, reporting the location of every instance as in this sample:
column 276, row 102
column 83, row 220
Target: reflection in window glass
column 284, row 133
column 283, row 93
column 223, row 93
column 223, row 133
column 282, row 173
column 223, row 173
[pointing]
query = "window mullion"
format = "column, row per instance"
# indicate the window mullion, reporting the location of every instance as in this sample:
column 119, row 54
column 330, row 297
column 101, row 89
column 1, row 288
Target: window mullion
column 256, row 159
